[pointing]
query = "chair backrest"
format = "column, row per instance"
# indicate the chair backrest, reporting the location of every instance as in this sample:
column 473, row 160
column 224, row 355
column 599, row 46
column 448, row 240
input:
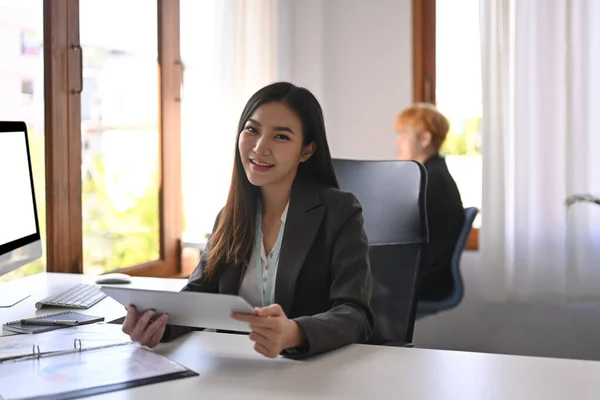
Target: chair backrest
column 458, row 292
column 392, row 195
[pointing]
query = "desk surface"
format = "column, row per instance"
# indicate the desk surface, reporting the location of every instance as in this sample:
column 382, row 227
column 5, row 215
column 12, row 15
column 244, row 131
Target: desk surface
column 228, row 367
column 42, row 285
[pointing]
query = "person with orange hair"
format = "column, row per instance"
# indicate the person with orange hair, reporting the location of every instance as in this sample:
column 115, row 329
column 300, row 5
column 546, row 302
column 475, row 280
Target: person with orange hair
column 421, row 131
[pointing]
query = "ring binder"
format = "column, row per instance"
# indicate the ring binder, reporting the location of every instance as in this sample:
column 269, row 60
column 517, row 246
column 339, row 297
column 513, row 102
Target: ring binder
column 36, row 350
column 77, row 347
column 63, row 364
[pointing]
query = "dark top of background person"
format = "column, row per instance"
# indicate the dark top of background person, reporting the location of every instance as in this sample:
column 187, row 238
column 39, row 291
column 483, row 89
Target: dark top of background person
column 421, row 131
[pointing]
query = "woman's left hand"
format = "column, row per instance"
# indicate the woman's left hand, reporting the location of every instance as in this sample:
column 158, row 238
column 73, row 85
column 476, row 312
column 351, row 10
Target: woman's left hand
column 271, row 330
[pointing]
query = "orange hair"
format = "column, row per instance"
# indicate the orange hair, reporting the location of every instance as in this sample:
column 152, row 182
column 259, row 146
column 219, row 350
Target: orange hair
column 426, row 117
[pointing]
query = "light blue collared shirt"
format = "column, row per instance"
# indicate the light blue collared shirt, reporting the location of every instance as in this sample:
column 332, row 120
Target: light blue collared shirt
column 249, row 287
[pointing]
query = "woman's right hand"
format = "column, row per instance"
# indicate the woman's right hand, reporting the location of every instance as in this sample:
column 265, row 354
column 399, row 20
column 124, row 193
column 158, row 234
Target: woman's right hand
column 142, row 329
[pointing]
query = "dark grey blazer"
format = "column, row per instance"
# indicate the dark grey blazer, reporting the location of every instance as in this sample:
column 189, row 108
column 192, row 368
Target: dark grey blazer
column 324, row 277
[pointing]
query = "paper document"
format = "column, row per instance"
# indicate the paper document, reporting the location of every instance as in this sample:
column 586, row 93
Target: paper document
column 86, row 373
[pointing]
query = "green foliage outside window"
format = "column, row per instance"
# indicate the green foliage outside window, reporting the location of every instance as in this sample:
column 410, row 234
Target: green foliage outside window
column 463, row 140
column 115, row 238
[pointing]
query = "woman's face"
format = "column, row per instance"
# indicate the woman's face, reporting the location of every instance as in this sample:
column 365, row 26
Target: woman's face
column 270, row 145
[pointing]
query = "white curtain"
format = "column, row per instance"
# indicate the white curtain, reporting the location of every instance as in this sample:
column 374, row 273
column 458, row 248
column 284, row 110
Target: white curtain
column 540, row 144
column 229, row 49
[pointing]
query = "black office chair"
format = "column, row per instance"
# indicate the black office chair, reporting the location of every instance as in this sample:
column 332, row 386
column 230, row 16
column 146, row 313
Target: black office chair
column 392, row 194
column 458, row 289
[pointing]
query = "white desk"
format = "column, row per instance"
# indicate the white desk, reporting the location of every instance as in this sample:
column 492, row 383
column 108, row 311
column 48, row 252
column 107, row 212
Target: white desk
column 229, row 368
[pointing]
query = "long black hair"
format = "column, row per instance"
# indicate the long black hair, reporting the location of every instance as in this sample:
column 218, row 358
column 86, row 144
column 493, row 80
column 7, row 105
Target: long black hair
column 233, row 238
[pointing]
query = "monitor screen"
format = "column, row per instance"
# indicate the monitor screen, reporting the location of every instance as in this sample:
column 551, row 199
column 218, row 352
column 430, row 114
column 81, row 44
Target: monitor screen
column 18, row 219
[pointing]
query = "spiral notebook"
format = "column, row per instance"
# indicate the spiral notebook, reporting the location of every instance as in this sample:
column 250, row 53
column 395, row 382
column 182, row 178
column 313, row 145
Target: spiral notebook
column 81, row 319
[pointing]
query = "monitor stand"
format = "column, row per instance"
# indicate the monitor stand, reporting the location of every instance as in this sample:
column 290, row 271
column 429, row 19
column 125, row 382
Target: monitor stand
column 12, row 297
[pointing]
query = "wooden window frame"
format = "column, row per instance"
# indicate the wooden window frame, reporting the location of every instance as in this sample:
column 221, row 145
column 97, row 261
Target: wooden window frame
column 424, row 67
column 62, row 137
column 62, row 88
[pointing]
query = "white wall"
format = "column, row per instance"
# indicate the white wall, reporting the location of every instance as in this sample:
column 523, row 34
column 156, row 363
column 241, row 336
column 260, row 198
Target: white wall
column 356, row 57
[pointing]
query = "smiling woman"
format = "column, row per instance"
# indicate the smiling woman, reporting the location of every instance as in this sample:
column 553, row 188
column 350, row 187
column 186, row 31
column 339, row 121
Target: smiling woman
column 288, row 240
column 273, row 146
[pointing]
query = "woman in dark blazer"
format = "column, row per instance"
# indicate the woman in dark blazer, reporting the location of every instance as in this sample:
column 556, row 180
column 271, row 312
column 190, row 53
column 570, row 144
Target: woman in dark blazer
column 288, row 240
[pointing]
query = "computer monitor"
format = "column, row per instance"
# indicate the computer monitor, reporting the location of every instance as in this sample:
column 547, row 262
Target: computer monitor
column 20, row 241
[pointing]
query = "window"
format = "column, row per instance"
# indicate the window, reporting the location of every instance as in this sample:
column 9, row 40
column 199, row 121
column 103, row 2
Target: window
column 458, row 93
column 113, row 145
column 20, row 76
column 120, row 135
column 450, row 76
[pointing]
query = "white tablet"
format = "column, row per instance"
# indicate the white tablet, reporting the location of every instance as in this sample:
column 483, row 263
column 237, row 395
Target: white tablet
column 194, row 309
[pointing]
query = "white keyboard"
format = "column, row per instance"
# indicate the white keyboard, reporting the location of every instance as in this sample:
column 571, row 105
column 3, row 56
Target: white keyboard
column 81, row 296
